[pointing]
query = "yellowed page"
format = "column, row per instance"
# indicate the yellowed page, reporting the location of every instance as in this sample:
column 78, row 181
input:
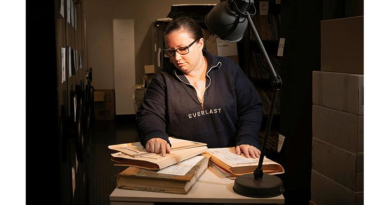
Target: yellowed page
column 228, row 156
column 181, row 168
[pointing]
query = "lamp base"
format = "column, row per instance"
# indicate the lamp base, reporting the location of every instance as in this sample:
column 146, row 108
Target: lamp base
column 268, row 186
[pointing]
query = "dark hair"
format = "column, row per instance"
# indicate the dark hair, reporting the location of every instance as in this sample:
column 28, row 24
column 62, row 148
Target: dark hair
column 186, row 23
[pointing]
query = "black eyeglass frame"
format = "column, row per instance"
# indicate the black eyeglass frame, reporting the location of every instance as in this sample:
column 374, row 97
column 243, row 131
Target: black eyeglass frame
column 176, row 49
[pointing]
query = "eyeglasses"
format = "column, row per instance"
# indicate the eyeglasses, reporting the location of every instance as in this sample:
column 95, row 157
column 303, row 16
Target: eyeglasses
column 181, row 50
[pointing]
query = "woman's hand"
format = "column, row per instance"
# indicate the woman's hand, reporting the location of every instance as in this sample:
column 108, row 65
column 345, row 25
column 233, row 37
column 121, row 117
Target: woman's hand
column 158, row 145
column 248, row 150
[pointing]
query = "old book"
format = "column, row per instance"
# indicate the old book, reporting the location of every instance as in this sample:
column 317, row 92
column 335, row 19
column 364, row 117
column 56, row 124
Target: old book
column 222, row 171
column 227, row 159
column 134, row 154
column 178, row 178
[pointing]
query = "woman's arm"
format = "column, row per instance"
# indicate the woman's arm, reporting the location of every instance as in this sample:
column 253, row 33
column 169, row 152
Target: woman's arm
column 151, row 121
column 249, row 109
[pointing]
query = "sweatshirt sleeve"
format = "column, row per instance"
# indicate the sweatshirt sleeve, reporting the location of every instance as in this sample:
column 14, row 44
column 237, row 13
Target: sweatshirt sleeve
column 249, row 109
column 150, row 119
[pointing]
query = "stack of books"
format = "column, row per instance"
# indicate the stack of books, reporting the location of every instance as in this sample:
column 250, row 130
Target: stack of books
column 176, row 173
column 179, row 170
column 177, row 179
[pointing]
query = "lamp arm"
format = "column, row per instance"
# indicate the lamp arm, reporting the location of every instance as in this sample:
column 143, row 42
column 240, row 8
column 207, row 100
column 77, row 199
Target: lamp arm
column 276, row 84
column 277, row 81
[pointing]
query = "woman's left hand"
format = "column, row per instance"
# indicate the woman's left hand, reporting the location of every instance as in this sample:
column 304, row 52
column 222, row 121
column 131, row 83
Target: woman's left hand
column 248, row 150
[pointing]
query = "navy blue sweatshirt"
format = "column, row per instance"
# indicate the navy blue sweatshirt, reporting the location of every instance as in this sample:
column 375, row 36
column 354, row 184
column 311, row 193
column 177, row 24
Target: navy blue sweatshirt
column 231, row 113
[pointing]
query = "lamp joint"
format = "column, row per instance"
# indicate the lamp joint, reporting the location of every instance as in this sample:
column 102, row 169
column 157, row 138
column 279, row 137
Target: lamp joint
column 258, row 173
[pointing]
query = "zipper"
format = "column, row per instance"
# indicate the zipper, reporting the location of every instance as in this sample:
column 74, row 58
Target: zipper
column 207, row 75
column 201, row 102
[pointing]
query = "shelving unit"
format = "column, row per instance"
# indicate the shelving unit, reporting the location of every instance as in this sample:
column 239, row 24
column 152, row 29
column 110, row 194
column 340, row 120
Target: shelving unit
column 159, row 60
column 59, row 103
column 75, row 100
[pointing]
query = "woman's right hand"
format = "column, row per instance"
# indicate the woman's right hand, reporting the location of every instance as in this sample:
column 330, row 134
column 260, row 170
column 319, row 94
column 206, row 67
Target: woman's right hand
column 158, row 145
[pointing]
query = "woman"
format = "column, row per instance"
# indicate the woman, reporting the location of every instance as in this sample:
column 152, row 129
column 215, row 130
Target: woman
column 202, row 98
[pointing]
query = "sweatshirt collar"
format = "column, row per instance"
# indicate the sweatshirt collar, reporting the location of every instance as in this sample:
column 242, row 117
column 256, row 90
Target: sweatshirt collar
column 212, row 62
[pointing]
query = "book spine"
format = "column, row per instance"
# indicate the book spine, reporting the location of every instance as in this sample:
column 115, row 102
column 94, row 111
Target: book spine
column 139, row 184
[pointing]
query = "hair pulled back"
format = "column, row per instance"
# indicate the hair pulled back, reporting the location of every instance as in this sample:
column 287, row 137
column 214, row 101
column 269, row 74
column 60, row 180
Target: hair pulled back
column 187, row 23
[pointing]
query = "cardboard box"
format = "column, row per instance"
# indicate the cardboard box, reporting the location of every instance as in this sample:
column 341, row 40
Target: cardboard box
column 343, row 167
column 342, row 45
column 339, row 91
column 104, row 106
column 98, row 96
column 325, row 191
column 219, row 47
column 344, row 130
column 149, row 69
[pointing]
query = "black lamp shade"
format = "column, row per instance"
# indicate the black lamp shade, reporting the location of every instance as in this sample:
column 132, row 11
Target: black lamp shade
column 225, row 23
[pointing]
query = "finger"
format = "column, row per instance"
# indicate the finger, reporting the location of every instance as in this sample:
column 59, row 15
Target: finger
column 252, row 152
column 246, row 151
column 151, row 147
column 238, row 150
column 148, row 146
column 257, row 152
column 168, row 148
column 157, row 147
column 163, row 149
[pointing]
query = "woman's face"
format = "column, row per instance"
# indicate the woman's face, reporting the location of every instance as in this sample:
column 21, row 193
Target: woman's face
column 190, row 61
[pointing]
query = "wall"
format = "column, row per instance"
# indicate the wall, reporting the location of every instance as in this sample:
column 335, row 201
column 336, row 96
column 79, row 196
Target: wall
column 99, row 16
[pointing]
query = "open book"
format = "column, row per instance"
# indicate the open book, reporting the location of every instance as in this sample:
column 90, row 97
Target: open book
column 134, row 154
column 228, row 161
column 178, row 178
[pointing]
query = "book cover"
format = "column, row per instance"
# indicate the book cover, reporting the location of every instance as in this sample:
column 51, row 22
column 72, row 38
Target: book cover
column 178, row 178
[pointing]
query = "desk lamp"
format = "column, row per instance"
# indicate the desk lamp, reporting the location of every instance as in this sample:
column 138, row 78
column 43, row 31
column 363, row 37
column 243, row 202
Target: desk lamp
column 228, row 20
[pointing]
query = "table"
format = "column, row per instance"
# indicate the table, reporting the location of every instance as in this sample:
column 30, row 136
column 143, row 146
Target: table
column 212, row 187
